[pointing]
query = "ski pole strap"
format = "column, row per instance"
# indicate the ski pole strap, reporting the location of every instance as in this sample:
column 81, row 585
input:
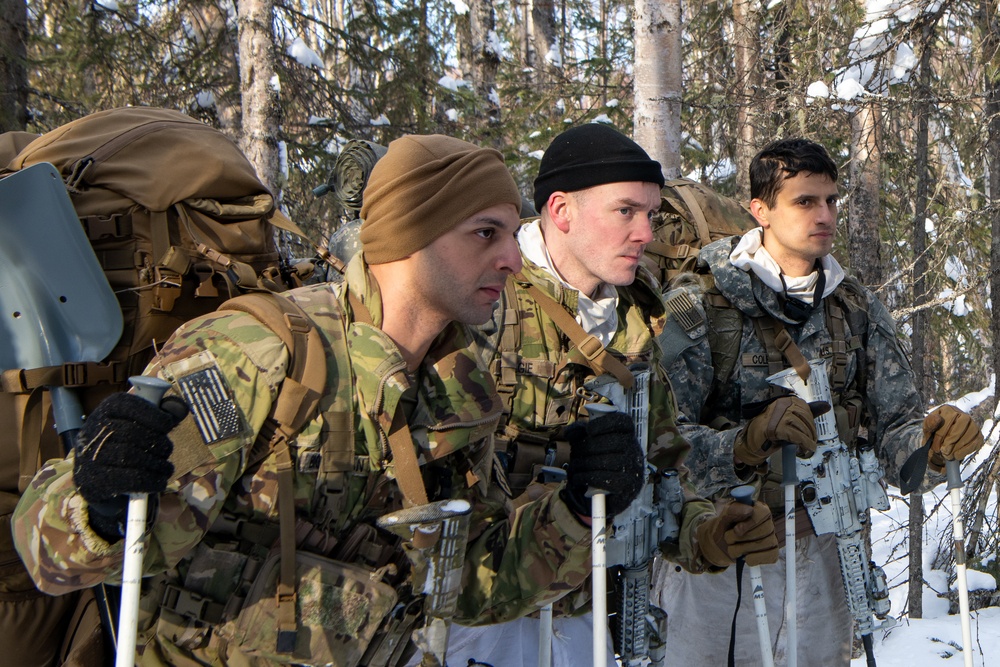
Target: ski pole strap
column 736, row 612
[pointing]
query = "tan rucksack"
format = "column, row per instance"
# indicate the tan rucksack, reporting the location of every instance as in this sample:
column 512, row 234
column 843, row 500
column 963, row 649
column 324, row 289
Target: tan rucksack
column 691, row 216
column 180, row 222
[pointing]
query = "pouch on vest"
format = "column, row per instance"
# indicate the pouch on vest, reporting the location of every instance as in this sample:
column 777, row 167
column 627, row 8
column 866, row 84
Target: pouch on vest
column 338, row 611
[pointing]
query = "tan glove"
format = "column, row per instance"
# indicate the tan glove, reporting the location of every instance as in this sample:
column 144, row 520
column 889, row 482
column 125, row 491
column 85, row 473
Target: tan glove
column 738, row 530
column 955, row 433
column 786, row 419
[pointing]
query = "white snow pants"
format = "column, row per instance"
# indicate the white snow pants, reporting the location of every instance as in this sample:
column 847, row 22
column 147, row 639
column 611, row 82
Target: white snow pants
column 515, row 643
column 700, row 611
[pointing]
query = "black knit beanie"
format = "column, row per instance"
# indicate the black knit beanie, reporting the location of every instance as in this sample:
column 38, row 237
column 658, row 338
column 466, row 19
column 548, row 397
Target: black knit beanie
column 589, row 155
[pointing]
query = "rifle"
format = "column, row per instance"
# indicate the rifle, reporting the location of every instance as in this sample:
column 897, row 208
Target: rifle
column 635, row 535
column 438, row 533
column 837, row 489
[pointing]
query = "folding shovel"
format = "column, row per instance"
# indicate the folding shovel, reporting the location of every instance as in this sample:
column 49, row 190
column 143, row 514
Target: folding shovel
column 56, row 306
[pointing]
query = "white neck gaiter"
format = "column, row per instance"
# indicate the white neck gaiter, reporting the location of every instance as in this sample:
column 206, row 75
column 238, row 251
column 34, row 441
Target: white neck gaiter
column 599, row 316
column 750, row 255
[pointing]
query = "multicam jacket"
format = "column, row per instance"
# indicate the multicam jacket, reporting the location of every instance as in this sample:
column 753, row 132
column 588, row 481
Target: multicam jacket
column 890, row 408
column 544, row 396
column 514, row 560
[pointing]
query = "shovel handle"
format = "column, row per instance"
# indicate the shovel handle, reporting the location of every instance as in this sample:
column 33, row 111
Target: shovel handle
column 152, row 390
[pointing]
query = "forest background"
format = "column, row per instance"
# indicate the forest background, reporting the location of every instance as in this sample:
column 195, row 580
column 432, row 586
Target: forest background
column 905, row 94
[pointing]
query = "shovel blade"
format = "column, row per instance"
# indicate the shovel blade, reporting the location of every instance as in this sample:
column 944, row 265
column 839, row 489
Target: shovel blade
column 55, row 303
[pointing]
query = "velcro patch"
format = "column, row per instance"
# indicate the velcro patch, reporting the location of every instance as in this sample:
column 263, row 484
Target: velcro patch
column 207, row 394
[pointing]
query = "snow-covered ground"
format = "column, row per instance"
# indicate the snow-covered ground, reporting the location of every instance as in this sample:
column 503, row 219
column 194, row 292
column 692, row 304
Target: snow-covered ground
column 936, row 639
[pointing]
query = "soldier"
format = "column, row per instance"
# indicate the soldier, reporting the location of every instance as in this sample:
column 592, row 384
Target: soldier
column 777, row 278
column 402, row 388
column 596, row 191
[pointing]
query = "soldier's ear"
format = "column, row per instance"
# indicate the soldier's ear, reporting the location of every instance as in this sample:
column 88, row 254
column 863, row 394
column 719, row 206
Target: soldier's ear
column 760, row 212
column 560, row 209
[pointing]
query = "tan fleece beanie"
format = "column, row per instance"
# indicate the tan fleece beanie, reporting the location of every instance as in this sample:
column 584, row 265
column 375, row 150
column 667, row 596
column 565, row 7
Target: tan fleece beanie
column 423, row 187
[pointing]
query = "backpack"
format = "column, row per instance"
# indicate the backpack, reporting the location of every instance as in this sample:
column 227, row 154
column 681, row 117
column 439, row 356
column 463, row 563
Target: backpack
column 180, row 223
column 691, row 216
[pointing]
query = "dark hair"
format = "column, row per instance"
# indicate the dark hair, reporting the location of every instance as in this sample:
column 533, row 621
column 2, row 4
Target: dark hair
column 785, row 158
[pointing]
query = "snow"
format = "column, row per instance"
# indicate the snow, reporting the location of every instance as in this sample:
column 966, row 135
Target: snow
column 460, row 7
column 849, row 88
column 603, row 118
column 936, row 639
column 205, row 99
column 381, row 120
column 304, row 55
column 815, row 90
column 612, row 103
column 453, row 84
column 452, row 115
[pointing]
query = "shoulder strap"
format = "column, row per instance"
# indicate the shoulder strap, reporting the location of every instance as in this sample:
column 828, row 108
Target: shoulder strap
column 407, row 467
column 842, row 308
column 589, row 346
column 296, row 403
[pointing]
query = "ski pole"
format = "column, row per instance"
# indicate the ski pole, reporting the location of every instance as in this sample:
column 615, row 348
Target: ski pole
column 545, row 637
column 599, row 574
column 953, row 470
column 789, row 479
column 151, row 389
column 744, row 494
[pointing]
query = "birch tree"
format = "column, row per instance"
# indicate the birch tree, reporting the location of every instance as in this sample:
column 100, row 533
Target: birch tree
column 657, row 85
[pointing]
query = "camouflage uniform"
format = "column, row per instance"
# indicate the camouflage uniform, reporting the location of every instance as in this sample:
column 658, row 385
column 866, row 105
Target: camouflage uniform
column 544, row 400
column 512, row 561
column 892, row 411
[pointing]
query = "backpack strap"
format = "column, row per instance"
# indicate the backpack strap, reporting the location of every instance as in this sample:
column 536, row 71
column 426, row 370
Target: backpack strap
column 404, row 455
column 589, row 346
column 700, row 221
column 296, row 403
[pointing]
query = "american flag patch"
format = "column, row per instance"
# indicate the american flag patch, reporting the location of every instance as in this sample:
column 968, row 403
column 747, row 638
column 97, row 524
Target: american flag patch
column 214, row 410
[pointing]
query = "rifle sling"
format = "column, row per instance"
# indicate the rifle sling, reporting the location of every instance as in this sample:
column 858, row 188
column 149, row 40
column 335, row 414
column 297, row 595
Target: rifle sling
column 589, row 346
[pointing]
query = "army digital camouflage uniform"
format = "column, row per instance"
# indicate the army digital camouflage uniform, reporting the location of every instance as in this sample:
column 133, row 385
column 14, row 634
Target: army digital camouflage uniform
column 703, row 607
column 513, row 559
column 545, row 399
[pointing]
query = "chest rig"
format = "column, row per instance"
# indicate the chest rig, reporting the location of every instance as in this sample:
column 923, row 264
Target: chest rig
column 543, row 390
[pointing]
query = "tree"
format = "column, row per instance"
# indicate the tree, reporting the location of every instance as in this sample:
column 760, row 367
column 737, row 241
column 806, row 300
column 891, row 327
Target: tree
column 13, row 65
column 657, row 116
column 259, row 85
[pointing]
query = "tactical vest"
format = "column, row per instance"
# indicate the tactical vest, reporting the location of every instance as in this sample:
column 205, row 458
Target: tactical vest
column 220, row 577
column 543, row 358
column 845, row 309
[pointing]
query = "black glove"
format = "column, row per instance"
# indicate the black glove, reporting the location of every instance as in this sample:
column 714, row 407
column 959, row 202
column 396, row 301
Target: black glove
column 604, row 454
column 123, row 448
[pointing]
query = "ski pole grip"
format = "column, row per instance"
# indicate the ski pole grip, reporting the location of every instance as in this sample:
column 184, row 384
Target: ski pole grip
column 151, row 389
column 788, row 464
column 743, row 494
column 953, row 471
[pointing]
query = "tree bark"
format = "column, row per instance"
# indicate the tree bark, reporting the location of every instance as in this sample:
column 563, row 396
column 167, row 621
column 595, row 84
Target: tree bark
column 259, row 86
column 990, row 26
column 864, row 214
column 13, row 65
column 746, row 44
column 657, row 85
column 486, row 62
column 918, row 340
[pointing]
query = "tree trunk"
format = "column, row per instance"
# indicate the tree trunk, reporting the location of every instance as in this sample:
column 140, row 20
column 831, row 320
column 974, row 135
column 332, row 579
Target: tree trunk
column 259, row 87
column 13, row 65
column 915, row 589
column 486, row 62
column 657, row 87
column 746, row 43
column 990, row 26
column 864, row 214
